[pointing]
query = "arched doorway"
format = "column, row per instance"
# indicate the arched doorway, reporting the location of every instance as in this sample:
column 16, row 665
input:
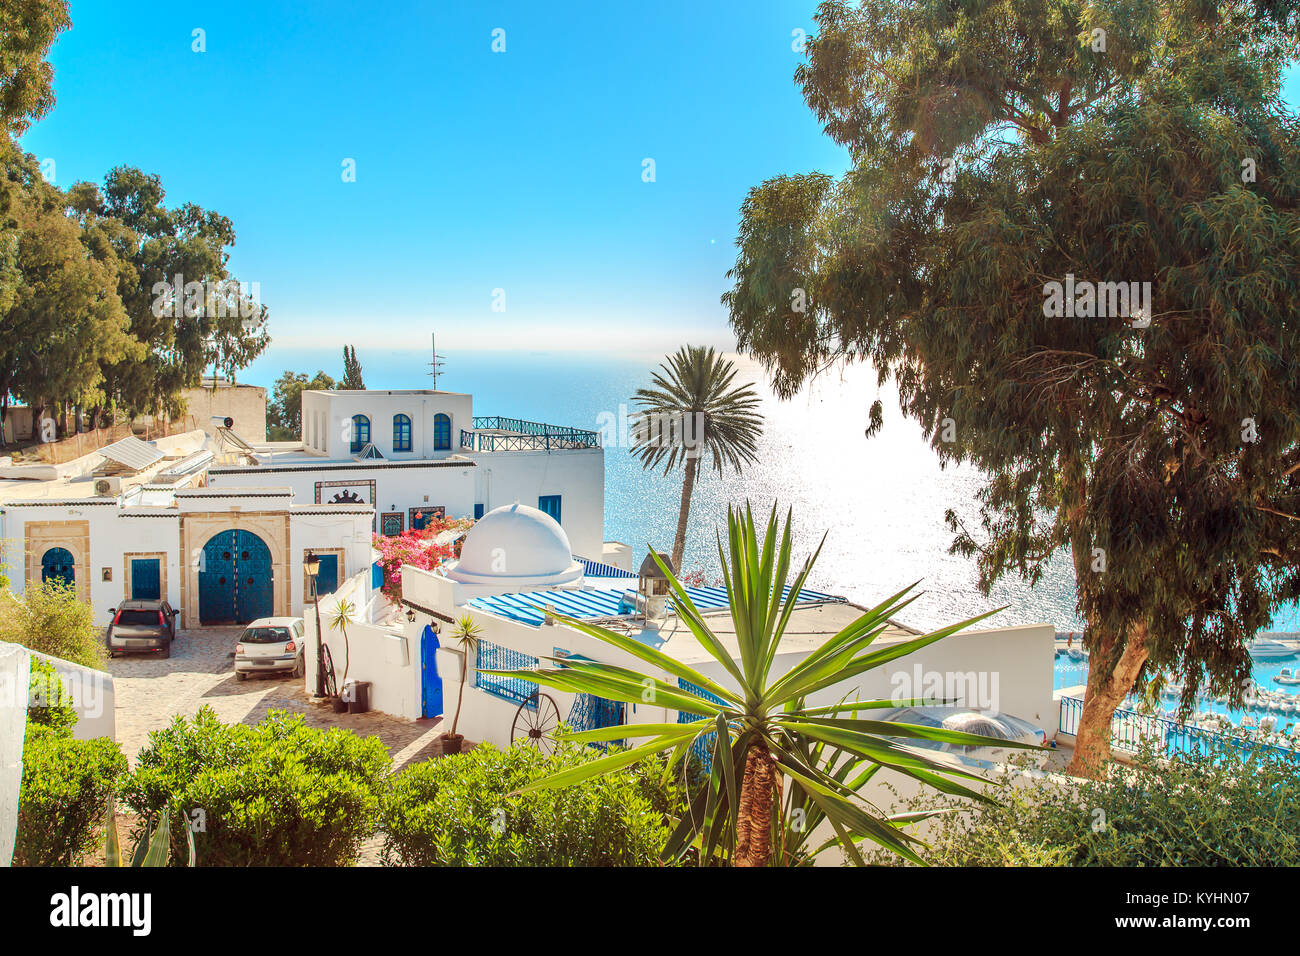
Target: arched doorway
column 57, row 566
column 235, row 579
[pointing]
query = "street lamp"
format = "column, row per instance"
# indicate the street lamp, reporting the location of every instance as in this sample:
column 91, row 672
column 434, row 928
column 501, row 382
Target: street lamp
column 311, row 565
column 410, row 614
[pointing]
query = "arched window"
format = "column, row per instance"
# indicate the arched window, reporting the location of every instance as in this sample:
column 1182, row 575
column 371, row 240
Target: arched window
column 401, row 433
column 360, row 432
column 441, row 432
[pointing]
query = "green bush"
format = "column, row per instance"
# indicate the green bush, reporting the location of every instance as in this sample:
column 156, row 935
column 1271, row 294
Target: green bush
column 48, row 702
column 457, row 811
column 1221, row 809
column 64, row 793
column 279, row 793
column 49, row 618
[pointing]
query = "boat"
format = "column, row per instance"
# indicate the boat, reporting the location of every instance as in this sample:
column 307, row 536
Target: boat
column 1289, row 676
column 1075, row 654
column 1267, row 649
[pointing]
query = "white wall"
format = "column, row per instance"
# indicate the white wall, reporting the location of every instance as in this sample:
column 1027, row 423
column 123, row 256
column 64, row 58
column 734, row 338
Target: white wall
column 115, row 532
column 397, row 488
column 327, row 420
column 577, row 475
column 93, row 698
column 388, row 657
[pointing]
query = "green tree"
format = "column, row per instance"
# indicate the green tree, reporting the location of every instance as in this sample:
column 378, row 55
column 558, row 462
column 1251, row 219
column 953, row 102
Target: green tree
column 209, row 320
column 65, row 318
column 351, row 370
column 694, row 409
column 28, row 29
column 1001, row 151
column 763, row 727
column 49, row 618
column 284, row 413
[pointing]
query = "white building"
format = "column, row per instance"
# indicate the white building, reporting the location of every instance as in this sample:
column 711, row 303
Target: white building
column 414, row 673
column 151, row 530
column 413, row 454
column 219, row 526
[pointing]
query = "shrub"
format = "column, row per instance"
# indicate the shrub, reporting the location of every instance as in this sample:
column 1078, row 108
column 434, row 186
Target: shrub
column 279, row 793
column 48, row 702
column 64, row 793
column 458, row 811
column 1217, row 809
column 49, row 618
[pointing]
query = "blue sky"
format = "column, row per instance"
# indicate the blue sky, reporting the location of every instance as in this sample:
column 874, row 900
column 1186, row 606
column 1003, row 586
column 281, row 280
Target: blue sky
column 475, row 170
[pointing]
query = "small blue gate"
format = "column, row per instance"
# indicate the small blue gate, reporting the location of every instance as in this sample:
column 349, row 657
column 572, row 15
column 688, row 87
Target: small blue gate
column 431, row 683
column 235, row 579
column 57, row 566
column 146, row 579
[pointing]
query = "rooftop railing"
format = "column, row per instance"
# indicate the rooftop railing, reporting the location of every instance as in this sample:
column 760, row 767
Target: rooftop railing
column 494, row 433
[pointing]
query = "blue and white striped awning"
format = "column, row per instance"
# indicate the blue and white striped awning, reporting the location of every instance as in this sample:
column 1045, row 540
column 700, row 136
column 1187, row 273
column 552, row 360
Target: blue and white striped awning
column 529, row 607
column 597, row 569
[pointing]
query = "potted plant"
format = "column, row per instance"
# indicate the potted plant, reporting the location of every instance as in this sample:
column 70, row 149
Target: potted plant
column 344, row 612
column 465, row 638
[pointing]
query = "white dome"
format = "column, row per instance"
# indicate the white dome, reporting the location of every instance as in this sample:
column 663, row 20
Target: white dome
column 516, row 545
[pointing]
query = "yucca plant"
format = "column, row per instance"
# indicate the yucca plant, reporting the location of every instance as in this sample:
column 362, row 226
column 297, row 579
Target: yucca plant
column 764, row 730
column 152, row 849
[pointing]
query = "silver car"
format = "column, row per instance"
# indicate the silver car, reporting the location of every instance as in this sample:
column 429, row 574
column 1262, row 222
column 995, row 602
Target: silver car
column 270, row 645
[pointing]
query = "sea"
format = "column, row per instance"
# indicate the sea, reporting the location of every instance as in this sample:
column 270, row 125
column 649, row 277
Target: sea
column 879, row 502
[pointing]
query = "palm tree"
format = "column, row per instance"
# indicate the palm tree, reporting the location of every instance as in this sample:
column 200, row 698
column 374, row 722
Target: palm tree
column 764, row 730
column 694, row 409
column 465, row 636
column 343, row 614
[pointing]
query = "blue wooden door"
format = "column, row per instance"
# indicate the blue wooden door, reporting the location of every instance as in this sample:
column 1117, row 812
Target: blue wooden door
column 327, row 578
column 56, row 566
column 235, row 579
column 431, row 682
column 146, row 579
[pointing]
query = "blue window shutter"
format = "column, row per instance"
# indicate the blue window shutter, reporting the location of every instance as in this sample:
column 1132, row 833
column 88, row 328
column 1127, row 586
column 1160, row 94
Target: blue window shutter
column 478, row 512
column 550, row 504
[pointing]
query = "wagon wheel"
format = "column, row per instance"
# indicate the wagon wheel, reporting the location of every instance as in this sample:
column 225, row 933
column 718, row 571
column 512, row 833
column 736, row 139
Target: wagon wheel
column 331, row 686
column 536, row 721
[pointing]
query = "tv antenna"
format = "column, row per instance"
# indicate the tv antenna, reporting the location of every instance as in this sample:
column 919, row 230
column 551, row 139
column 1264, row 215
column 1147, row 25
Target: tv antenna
column 435, row 367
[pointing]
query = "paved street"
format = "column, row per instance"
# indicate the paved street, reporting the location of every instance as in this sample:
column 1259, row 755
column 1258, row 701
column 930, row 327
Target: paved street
column 151, row 690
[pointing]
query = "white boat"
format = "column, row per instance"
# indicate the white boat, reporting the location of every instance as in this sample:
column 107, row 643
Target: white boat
column 1076, row 654
column 1267, row 649
column 1288, row 676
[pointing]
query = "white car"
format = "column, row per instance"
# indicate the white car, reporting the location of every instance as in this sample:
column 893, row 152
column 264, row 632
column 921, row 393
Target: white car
column 270, row 645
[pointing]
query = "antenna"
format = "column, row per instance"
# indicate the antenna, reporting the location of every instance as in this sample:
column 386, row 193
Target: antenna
column 435, row 367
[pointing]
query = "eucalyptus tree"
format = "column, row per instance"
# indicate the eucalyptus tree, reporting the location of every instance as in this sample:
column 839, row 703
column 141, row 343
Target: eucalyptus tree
column 63, row 317
column 183, row 330
column 761, row 726
column 28, row 28
column 1069, row 234
column 695, row 409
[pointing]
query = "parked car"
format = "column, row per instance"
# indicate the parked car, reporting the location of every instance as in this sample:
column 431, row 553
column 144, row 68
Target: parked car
column 141, row 626
column 270, row 645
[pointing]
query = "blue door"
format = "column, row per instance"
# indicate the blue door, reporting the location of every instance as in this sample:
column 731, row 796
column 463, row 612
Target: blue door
column 56, row 566
column 432, row 683
column 327, row 578
column 146, row 579
column 235, row 579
